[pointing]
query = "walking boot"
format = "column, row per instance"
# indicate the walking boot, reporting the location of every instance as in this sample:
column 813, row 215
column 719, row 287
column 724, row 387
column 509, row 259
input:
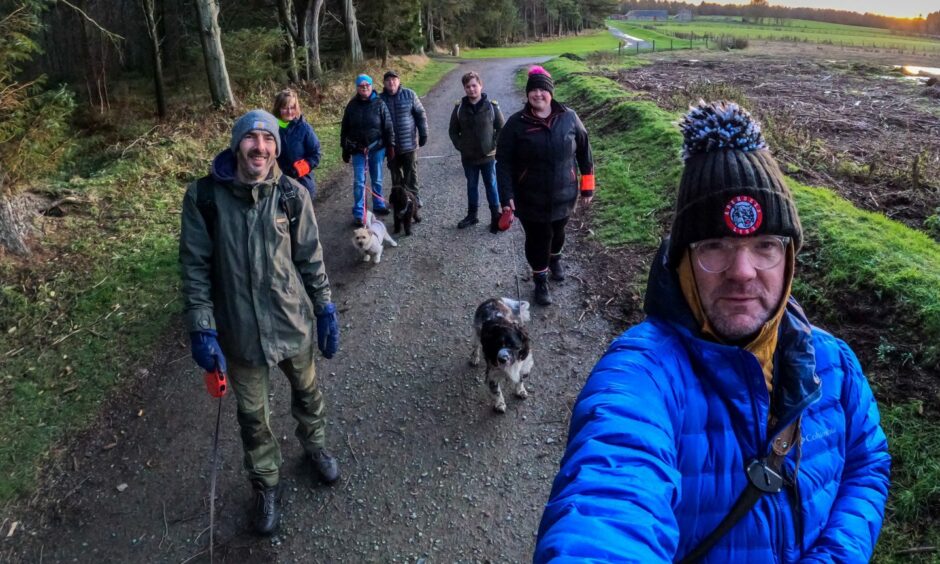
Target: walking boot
column 494, row 220
column 557, row 268
column 471, row 219
column 541, row 295
column 325, row 464
column 267, row 513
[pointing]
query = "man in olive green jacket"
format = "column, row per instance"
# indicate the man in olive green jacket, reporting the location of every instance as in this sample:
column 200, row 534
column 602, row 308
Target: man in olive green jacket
column 254, row 282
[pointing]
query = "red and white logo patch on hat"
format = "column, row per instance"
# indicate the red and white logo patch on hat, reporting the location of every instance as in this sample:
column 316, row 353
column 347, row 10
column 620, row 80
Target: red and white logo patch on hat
column 743, row 215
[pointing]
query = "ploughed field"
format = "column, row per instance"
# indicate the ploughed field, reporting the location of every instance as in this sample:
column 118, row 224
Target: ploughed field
column 860, row 128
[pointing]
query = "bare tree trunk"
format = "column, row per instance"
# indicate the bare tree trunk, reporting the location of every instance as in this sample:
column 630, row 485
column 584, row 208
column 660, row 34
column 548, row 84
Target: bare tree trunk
column 285, row 13
column 352, row 31
column 312, row 31
column 301, row 13
column 432, row 48
column 13, row 226
column 211, row 36
column 147, row 6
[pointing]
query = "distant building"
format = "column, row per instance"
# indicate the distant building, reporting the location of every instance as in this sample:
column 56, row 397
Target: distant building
column 648, row 15
column 684, row 15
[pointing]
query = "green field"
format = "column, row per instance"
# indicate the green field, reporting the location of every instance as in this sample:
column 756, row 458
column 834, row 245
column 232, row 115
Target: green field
column 579, row 45
column 789, row 30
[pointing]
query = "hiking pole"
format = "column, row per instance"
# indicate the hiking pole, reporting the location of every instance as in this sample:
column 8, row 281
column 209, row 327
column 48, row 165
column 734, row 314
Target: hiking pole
column 216, row 385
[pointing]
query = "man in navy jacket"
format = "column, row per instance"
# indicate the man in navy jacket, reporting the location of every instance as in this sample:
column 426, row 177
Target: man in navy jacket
column 724, row 428
column 411, row 131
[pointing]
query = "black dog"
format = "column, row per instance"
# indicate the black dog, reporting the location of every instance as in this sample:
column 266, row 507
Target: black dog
column 502, row 339
column 405, row 205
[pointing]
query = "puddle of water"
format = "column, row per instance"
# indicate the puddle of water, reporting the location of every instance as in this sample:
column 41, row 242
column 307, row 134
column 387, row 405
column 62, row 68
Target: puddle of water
column 912, row 70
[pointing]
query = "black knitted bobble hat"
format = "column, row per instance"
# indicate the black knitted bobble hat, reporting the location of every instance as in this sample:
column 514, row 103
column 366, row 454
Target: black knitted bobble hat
column 731, row 185
column 539, row 78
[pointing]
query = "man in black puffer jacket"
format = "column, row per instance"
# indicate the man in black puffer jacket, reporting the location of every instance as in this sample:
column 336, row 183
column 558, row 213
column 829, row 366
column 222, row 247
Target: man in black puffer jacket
column 365, row 135
column 408, row 118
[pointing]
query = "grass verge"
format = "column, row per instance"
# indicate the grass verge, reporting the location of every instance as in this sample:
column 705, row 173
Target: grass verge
column 83, row 315
column 853, row 251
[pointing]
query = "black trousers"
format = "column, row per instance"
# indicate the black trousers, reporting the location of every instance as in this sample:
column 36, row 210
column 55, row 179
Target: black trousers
column 543, row 239
column 404, row 168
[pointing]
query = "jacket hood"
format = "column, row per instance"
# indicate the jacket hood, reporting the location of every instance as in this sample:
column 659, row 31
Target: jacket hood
column 795, row 382
column 358, row 98
column 224, row 166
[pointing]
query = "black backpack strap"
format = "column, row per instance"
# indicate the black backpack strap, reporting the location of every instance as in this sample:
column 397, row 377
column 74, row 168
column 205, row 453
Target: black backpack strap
column 765, row 475
column 205, row 201
column 289, row 201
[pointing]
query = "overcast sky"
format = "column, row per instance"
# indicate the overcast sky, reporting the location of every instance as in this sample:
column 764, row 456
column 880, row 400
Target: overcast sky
column 898, row 8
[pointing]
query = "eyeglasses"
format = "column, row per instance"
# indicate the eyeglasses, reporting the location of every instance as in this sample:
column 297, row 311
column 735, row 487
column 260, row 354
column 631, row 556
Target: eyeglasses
column 717, row 255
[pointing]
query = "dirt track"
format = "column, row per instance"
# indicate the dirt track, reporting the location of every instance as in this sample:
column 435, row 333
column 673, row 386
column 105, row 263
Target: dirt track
column 430, row 473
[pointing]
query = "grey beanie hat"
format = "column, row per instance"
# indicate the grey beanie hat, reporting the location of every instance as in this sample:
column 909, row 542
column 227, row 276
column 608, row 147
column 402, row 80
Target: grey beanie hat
column 255, row 119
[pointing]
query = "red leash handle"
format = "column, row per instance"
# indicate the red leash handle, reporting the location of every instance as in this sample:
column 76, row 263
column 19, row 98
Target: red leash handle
column 216, row 383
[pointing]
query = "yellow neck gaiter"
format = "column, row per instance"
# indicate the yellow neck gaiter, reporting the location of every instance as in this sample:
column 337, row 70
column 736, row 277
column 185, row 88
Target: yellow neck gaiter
column 765, row 342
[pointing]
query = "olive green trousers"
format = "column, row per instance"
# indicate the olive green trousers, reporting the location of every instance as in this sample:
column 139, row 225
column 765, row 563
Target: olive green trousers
column 251, row 385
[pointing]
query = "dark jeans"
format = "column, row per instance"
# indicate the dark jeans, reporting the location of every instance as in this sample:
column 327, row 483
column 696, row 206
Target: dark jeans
column 473, row 173
column 543, row 239
column 404, row 168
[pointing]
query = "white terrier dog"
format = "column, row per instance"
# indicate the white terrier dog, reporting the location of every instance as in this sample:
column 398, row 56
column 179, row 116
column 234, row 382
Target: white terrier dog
column 368, row 240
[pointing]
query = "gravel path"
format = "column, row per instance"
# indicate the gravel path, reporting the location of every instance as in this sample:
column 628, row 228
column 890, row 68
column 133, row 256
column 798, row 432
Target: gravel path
column 430, row 472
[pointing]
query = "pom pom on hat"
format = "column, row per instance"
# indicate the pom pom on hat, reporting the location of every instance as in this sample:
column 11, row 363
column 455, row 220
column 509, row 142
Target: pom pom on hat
column 719, row 125
column 537, row 69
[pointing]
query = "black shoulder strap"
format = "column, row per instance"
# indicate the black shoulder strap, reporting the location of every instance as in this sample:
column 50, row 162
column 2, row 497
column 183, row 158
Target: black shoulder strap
column 764, row 476
column 289, row 201
column 205, row 201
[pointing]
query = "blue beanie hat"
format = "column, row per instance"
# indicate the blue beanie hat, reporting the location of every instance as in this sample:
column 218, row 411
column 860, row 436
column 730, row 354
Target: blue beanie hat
column 363, row 78
column 255, row 120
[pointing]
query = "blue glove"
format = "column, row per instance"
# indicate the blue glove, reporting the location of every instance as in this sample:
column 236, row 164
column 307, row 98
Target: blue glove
column 206, row 350
column 328, row 331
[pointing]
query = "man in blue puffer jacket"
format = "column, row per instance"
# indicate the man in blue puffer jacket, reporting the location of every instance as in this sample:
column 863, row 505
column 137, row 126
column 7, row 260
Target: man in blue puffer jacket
column 409, row 118
column 724, row 428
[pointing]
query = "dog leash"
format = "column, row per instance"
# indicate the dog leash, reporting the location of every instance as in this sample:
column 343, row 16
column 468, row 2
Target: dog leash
column 515, row 263
column 212, row 481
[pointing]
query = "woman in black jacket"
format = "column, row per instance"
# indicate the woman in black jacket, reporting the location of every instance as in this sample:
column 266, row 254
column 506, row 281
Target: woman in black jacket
column 536, row 156
column 367, row 137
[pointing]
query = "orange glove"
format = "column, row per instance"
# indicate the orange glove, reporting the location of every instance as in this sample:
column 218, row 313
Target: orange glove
column 302, row 167
column 587, row 185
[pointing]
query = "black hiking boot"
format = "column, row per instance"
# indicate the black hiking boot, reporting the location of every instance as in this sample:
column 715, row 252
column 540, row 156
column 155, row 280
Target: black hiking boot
column 494, row 220
column 325, row 464
column 556, row 267
column 471, row 219
column 267, row 512
column 541, row 294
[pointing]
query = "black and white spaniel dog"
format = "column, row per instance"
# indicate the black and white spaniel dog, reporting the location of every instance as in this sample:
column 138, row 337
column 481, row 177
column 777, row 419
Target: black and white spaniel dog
column 501, row 336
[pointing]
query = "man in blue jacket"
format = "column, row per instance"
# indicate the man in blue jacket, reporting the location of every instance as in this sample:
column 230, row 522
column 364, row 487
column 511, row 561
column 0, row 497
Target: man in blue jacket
column 724, row 428
column 411, row 131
